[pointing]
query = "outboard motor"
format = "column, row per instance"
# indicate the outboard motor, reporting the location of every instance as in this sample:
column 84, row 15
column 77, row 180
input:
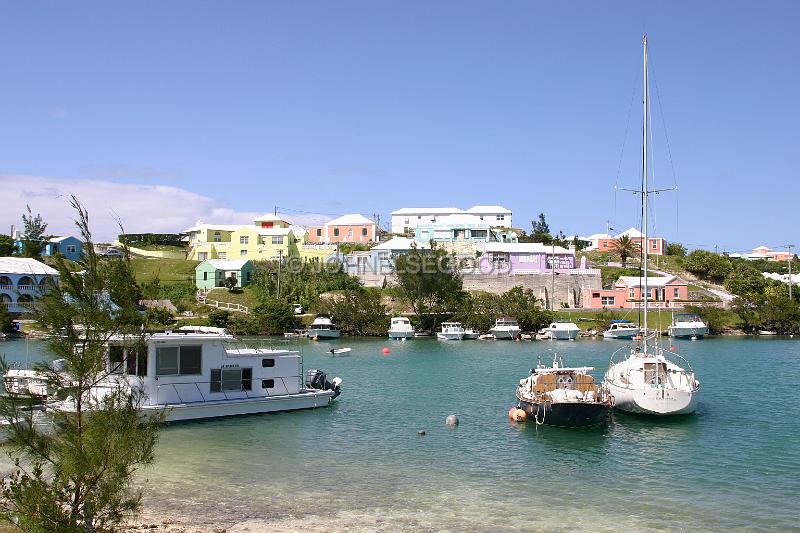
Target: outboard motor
column 317, row 379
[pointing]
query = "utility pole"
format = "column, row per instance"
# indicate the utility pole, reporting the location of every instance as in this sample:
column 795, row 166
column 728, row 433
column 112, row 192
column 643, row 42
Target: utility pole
column 280, row 260
column 791, row 256
column 275, row 211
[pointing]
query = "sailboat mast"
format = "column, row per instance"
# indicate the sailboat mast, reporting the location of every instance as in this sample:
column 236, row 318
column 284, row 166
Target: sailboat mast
column 645, row 128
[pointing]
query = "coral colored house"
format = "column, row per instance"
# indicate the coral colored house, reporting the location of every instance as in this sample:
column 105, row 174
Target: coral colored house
column 664, row 291
column 656, row 245
column 347, row 228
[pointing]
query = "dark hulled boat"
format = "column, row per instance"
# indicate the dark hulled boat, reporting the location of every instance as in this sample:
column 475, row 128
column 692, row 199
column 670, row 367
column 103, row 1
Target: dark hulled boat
column 563, row 396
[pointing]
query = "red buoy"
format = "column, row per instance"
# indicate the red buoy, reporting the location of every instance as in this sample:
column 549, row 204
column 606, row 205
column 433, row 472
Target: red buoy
column 386, row 351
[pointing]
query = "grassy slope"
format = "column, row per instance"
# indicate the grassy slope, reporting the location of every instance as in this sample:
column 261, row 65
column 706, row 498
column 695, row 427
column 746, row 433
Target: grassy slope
column 167, row 270
column 244, row 297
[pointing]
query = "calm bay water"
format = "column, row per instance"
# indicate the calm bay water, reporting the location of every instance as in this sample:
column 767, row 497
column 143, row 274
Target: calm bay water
column 360, row 465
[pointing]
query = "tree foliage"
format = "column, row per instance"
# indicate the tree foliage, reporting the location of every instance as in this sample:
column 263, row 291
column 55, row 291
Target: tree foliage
column 7, row 247
column 676, row 249
column 300, row 281
column 231, row 282
column 744, row 280
column 33, row 237
column 626, row 248
column 480, row 310
column 357, row 312
column 708, row 266
column 429, row 283
column 75, row 473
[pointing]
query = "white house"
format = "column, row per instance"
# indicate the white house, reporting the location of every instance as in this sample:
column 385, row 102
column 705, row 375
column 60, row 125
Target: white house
column 22, row 280
column 407, row 219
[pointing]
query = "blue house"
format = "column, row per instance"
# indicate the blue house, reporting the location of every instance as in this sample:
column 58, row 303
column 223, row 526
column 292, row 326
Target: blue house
column 69, row 246
column 380, row 259
column 462, row 228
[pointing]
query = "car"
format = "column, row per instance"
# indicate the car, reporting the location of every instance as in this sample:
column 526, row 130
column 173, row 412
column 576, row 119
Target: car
column 111, row 252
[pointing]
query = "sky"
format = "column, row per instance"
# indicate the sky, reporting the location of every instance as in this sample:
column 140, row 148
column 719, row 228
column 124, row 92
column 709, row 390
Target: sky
column 159, row 114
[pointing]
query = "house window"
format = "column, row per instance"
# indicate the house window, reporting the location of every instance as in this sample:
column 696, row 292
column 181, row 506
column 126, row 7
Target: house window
column 406, row 222
column 242, row 252
column 605, row 244
column 655, row 245
column 231, row 379
column 205, row 276
column 266, row 224
column 363, row 232
column 202, row 256
column 223, row 255
column 179, row 360
column 277, row 240
column 248, row 276
column 607, row 300
column 335, row 232
column 501, row 217
column 676, row 292
column 631, row 294
column 71, row 249
column 244, row 240
column 217, row 236
column 350, row 233
column 595, row 295
column 319, row 232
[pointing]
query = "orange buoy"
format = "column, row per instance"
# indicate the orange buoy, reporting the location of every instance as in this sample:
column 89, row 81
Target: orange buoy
column 386, row 351
column 511, row 413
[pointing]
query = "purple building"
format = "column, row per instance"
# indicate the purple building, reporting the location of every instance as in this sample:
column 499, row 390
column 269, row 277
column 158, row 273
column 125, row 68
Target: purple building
column 524, row 258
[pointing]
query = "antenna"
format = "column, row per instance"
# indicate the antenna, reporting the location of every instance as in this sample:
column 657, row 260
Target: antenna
column 791, row 256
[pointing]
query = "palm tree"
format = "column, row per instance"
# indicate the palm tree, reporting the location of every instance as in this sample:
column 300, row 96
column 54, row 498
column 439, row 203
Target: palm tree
column 626, row 248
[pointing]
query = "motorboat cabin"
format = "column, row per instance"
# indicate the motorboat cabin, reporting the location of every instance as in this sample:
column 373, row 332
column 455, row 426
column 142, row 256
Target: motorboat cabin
column 401, row 328
column 323, row 328
column 451, row 331
column 506, row 328
column 622, row 329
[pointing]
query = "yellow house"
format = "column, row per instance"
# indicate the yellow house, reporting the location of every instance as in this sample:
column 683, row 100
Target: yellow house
column 269, row 237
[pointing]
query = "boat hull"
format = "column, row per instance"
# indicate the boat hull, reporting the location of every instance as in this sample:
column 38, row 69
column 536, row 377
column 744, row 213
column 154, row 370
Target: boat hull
column 620, row 334
column 471, row 335
column 245, row 406
column 566, row 414
column 449, row 336
column 687, row 332
column 401, row 334
column 657, row 401
column 505, row 334
column 324, row 333
column 563, row 335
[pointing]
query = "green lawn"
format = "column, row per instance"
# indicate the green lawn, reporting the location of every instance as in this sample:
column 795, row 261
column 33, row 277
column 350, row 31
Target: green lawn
column 167, row 270
column 244, row 297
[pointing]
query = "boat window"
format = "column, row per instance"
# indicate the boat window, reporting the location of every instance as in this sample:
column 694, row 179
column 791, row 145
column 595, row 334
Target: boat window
column 167, row 361
column 247, row 379
column 116, row 358
column 216, row 380
column 267, row 363
column 141, row 361
column 191, row 360
column 267, row 383
column 174, row 360
column 231, row 379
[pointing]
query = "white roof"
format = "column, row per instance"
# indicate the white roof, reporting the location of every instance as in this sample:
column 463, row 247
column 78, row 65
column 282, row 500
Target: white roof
column 461, row 218
column 268, row 217
column 652, row 281
column 401, row 243
column 489, row 209
column 427, row 210
column 599, row 236
column 631, row 232
column 220, row 227
column 227, row 264
column 351, row 219
column 59, row 239
column 524, row 248
column 25, row 265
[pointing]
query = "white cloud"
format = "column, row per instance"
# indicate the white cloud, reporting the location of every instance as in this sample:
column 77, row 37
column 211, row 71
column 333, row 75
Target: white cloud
column 142, row 208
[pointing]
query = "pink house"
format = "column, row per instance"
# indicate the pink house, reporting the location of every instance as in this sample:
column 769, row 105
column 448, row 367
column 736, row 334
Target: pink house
column 347, row 228
column 762, row 252
column 656, row 245
column 665, row 292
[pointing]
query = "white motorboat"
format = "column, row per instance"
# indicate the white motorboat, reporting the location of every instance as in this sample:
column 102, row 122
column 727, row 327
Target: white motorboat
column 451, row 331
column 401, row 328
column 563, row 331
column 323, row 328
column 687, row 326
column 646, row 381
column 200, row 373
column 470, row 334
column 506, row 328
column 622, row 329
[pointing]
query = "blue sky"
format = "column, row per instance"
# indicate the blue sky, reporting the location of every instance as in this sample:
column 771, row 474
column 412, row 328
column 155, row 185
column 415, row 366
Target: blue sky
column 223, row 109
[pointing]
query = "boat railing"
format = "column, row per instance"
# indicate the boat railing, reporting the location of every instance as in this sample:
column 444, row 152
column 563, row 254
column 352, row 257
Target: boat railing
column 171, row 390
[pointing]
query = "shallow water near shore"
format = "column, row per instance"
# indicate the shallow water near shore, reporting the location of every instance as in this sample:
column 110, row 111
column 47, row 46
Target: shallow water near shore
column 360, row 465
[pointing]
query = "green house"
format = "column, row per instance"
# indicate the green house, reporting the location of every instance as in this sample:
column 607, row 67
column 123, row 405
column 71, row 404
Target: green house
column 213, row 273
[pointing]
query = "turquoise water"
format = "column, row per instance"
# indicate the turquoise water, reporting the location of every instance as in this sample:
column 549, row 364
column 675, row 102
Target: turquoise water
column 361, row 465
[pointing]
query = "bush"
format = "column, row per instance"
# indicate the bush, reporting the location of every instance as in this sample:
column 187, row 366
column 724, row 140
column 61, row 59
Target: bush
column 744, row 280
column 718, row 320
column 676, row 249
column 358, row 312
column 708, row 266
column 219, row 318
column 273, row 317
column 158, row 317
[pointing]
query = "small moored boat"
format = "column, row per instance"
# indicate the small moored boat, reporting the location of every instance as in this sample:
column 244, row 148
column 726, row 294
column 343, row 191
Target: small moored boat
column 451, row 331
column 622, row 329
column 506, row 328
column 563, row 396
column 687, row 325
column 401, row 328
column 323, row 328
column 471, row 334
column 559, row 330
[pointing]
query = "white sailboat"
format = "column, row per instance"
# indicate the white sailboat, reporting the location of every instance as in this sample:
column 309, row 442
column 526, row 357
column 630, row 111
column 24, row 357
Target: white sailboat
column 643, row 379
